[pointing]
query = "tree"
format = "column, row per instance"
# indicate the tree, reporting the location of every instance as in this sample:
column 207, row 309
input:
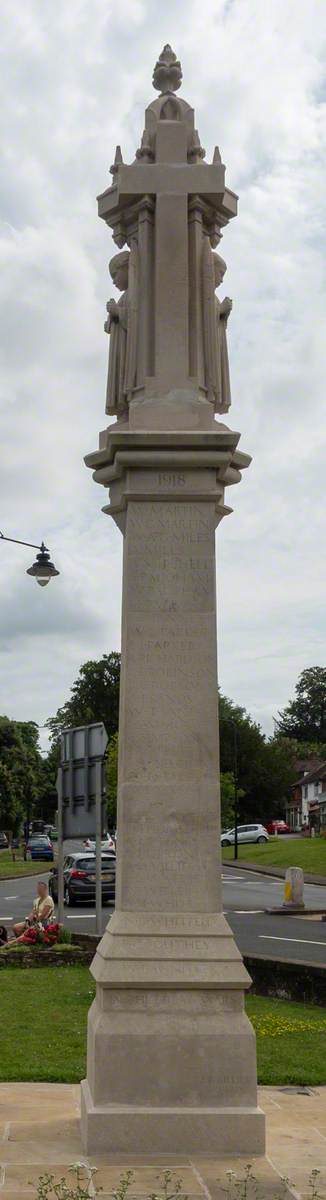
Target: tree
column 112, row 779
column 228, row 797
column 20, row 771
column 265, row 768
column 94, row 697
column 304, row 718
column 10, row 810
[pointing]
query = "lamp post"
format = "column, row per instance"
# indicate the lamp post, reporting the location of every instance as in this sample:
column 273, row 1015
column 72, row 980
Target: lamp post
column 42, row 569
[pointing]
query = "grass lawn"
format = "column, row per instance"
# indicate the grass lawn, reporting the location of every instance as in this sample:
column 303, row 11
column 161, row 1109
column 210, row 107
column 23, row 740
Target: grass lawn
column 11, row 870
column 308, row 853
column 43, row 1017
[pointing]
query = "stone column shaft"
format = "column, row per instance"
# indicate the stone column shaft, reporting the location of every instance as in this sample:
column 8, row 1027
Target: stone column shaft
column 168, row 768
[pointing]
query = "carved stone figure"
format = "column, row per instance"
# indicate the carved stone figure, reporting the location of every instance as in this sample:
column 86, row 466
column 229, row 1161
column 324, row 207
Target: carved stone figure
column 121, row 325
column 215, row 316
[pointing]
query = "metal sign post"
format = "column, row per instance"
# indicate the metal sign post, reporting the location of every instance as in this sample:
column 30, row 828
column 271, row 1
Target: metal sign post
column 236, row 815
column 98, row 847
column 60, row 849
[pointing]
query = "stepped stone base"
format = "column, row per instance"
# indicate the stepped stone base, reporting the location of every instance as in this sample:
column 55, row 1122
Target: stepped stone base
column 127, row 1129
column 171, row 1053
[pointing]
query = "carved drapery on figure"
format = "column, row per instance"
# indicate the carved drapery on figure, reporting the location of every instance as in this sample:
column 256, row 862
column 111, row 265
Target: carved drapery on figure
column 121, row 325
column 215, row 318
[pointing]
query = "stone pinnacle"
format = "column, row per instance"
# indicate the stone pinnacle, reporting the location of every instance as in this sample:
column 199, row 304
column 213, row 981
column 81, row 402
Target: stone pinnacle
column 167, row 73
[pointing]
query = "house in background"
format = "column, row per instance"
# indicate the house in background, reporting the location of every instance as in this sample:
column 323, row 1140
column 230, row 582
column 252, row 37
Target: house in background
column 307, row 805
column 317, row 799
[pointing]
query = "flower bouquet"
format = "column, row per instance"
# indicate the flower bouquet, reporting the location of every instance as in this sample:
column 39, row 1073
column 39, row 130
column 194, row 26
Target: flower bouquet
column 35, row 935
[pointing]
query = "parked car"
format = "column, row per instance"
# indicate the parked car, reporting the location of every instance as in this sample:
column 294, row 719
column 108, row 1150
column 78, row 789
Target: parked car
column 3, row 840
column 246, row 833
column 39, row 847
column 51, row 832
column 277, row 827
column 79, row 878
column 106, row 844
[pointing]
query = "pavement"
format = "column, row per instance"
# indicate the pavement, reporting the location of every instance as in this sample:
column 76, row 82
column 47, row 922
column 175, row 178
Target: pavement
column 39, row 1135
column 246, row 895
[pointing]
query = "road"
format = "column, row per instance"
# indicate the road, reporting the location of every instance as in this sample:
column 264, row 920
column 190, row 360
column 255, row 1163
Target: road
column 245, row 896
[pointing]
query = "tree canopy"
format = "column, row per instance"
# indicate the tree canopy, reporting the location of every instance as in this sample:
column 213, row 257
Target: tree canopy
column 265, row 767
column 21, row 771
column 94, row 697
column 304, row 718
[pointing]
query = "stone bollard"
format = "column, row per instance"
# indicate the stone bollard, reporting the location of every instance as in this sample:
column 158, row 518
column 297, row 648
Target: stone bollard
column 294, row 888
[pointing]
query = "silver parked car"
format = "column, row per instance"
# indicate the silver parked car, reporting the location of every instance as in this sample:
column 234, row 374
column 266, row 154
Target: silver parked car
column 246, row 833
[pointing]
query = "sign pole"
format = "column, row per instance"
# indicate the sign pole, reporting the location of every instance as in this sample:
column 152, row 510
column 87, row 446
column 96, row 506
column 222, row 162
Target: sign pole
column 60, row 849
column 98, row 847
column 236, row 815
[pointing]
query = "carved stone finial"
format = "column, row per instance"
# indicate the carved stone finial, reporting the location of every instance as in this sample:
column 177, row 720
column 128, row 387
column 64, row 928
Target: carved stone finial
column 167, row 73
column 217, row 157
column 117, row 160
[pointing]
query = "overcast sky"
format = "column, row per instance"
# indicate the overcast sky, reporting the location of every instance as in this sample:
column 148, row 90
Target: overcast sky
column 76, row 78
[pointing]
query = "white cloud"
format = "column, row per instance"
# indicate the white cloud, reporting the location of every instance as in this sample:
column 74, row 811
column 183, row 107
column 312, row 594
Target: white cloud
column 75, row 81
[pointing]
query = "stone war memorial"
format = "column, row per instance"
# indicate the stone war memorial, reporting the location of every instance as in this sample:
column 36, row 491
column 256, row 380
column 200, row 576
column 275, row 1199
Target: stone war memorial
column 171, row 1053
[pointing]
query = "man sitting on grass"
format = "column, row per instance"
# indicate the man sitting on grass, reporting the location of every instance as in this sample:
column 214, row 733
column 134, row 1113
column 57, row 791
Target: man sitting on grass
column 42, row 911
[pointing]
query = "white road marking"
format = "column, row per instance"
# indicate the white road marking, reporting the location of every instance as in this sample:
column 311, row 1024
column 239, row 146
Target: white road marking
column 6, row 918
column 262, row 880
column 248, row 912
column 233, row 878
column 268, row 937
column 10, row 897
column 84, row 917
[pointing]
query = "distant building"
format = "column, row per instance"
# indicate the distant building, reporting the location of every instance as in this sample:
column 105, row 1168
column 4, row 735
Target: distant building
column 307, row 805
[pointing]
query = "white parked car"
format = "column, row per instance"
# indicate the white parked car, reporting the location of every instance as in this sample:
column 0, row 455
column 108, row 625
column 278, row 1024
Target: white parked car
column 108, row 844
column 246, row 833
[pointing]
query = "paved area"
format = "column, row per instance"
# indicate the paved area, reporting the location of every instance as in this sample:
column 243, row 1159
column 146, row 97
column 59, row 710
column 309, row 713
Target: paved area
column 39, row 1134
column 245, row 896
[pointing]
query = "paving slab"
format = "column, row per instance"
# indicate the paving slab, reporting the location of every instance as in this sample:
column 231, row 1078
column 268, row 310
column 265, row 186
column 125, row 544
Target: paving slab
column 39, row 1133
column 22, row 1179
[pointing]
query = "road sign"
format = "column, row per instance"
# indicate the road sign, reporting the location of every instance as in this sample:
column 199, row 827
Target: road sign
column 82, row 749
column 81, row 798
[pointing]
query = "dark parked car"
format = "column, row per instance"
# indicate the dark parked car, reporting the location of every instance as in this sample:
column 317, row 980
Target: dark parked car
column 3, row 841
column 79, row 878
column 39, row 847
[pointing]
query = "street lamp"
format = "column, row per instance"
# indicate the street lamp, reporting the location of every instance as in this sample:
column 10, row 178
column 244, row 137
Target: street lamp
column 43, row 569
